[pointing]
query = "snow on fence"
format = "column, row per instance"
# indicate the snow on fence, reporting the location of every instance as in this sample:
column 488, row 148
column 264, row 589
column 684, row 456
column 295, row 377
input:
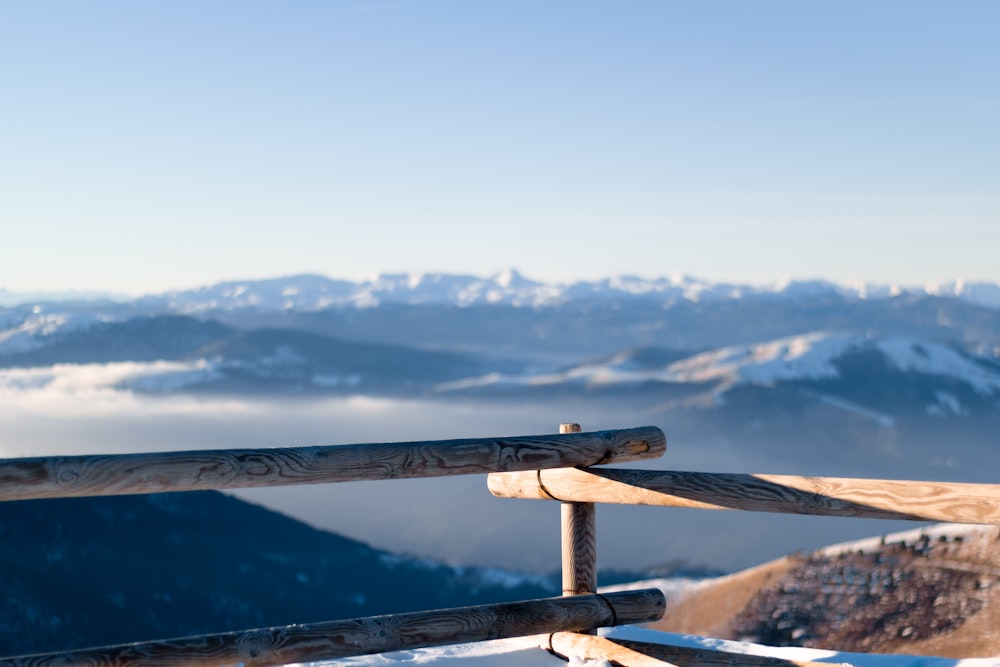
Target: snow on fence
column 547, row 467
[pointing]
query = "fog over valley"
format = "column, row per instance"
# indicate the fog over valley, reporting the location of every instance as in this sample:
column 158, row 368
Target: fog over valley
column 453, row 519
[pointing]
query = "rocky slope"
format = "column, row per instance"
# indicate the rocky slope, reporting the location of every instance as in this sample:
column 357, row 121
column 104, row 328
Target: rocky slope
column 925, row 592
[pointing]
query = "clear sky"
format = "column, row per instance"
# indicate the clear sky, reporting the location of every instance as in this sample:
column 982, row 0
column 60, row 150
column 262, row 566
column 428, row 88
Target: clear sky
column 164, row 144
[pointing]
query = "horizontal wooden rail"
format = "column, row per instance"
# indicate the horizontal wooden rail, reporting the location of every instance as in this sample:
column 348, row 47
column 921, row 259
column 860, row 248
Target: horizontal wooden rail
column 820, row 496
column 630, row 653
column 376, row 634
column 118, row 474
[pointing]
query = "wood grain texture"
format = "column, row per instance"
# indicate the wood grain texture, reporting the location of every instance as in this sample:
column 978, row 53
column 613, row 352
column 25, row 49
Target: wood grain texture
column 578, row 541
column 67, row 476
column 645, row 654
column 579, row 548
column 820, row 496
column 591, row 648
column 377, row 634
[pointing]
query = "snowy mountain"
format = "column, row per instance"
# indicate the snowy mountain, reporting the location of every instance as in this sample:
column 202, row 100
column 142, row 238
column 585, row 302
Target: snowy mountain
column 173, row 352
column 814, row 357
column 849, row 404
column 818, row 359
column 511, row 316
column 860, row 357
column 310, row 292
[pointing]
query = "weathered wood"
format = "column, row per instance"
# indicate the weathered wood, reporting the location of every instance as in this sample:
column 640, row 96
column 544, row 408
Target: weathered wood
column 66, row 476
column 579, row 541
column 591, row 648
column 377, row 634
column 820, row 496
column 579, row 548
column 628, row 653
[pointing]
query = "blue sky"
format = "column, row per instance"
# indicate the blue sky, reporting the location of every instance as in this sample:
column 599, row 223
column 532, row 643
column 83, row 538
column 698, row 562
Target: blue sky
column 155, row 145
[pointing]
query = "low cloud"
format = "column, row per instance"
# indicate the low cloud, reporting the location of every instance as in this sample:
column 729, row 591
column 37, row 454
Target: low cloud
column 78, row 410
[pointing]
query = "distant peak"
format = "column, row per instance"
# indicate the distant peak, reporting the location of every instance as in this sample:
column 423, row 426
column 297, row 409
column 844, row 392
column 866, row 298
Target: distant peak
column 511, row 278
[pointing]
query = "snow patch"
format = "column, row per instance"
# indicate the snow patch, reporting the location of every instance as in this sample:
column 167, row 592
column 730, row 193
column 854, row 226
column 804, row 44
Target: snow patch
column 525, row 652
column 947, row 404
column 806, row 357
column 915, row 356
column 23, row 337
column 934, row 532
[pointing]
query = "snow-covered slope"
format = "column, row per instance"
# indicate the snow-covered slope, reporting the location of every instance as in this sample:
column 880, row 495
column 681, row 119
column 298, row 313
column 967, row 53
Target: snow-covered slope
column 27, row 332
column 526, row 653
column 809, row 357
column 814, row 356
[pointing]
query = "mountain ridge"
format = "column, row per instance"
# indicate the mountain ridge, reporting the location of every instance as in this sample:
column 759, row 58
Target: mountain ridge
column 510, row 287
column 80, row 572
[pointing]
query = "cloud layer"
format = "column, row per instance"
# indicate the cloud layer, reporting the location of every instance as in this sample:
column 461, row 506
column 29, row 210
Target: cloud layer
column 78, row 410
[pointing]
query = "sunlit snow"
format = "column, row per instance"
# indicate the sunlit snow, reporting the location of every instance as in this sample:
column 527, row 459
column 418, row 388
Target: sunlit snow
column 809, row 357
column 525, row 652
column 154, row 376
column 314, row 292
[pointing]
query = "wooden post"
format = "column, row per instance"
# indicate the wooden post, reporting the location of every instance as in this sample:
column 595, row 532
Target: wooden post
column 579, row 542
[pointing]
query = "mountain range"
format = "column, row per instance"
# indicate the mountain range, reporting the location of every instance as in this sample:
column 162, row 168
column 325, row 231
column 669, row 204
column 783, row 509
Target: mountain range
column 811, row 378
column 316, row 292
column 668, row 342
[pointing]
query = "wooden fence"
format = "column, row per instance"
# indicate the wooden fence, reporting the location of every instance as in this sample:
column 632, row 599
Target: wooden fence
column 545, row 467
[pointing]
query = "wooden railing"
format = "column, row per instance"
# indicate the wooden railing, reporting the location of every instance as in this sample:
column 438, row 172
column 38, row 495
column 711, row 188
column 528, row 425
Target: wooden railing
column 786, row 494
column 375, row 634
column 546, row 467
column 69, row 476
column 121, row 474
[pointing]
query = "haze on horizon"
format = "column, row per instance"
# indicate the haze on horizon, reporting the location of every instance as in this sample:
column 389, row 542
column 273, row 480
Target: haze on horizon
column 159, row 146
